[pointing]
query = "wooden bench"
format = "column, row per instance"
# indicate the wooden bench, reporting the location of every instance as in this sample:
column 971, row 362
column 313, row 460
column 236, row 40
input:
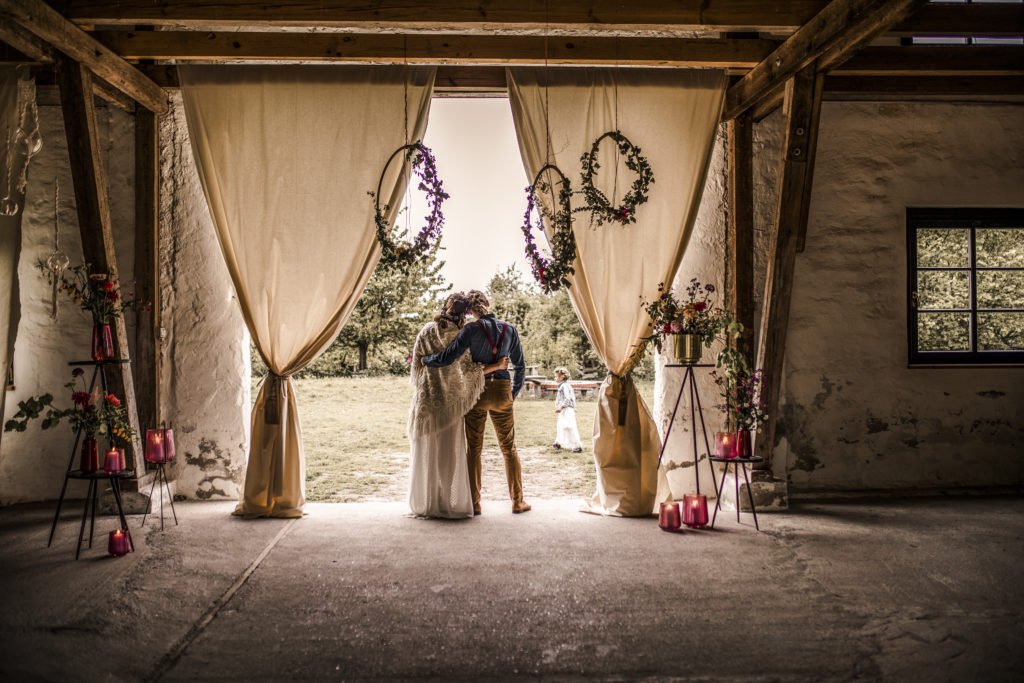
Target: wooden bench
column 582, row 387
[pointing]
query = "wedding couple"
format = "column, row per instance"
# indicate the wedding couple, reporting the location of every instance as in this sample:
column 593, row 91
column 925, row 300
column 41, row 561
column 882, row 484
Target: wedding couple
column 455, row 391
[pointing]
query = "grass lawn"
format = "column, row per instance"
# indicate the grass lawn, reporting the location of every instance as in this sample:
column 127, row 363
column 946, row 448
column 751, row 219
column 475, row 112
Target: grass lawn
column 353, row 430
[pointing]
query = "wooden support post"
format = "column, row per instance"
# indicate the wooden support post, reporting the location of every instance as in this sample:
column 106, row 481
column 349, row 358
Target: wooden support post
column 803, row 97
column 87, row 171
column 147, row 268
column 740, row 296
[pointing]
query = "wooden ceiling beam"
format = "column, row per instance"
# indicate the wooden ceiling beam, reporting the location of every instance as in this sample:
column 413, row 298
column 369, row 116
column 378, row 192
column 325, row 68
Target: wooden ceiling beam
column 435, row 49
column 511, row 15
column 457, row 15
column 836, row 31
column 38, row 19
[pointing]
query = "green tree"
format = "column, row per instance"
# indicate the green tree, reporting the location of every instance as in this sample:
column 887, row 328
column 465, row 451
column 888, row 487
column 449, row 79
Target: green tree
column 511, row 297
column 393, row 308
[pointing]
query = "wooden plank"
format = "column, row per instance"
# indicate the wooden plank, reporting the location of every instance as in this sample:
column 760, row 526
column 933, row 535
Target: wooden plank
column 839, row 87
column 936, row 60
column 949, row 19
column 93, row 207
column 24, row 42
column 865, row 31
column 147, row 268
column 510, row 15
column 740, row 292
column 811, row 146
column 39, row 19
column 792, row 184
column 434, row 49
column 839, row 29
column 455, row 15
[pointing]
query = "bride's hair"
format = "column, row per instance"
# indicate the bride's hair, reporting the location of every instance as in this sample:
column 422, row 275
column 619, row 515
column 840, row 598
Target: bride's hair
column 479, row 304
column 453, row 312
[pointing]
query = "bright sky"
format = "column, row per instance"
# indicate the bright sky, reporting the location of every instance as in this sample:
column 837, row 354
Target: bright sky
column 478, row 159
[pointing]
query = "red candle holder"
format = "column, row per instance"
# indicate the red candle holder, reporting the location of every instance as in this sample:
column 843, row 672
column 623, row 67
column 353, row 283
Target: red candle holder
column 155, row 453
column 741, row 444
column 724, row 445
column 117, row 545
column 90, row 460
column 168, row 445
column 695, row 510
column 668, row 516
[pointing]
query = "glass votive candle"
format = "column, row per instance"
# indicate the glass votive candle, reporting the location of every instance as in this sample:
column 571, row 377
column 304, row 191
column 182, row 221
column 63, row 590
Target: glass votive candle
column 695, row 510
column 155, row 446
column 168, row 445
column 668, row 516
column 117, row 545
column 723, row 445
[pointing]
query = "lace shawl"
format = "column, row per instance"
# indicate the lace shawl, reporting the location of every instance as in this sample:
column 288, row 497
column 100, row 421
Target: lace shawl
column 441, row 395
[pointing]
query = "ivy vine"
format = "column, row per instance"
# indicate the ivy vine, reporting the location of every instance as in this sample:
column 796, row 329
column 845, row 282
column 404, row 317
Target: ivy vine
column 550, row 273
column 596, row 201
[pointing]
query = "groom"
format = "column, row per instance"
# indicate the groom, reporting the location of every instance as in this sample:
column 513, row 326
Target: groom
column 488, row 339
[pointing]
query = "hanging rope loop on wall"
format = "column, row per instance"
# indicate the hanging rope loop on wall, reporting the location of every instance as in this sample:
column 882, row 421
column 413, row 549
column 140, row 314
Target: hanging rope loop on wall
column 395, row 251
column 551, row 274
column 597, row 202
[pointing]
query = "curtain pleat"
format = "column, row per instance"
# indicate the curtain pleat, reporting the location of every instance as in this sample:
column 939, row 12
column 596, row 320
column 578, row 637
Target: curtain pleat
column 286, row 156
column 672, row 116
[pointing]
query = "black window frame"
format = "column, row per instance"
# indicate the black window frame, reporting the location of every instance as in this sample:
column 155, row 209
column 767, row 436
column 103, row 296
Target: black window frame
column 972, row 218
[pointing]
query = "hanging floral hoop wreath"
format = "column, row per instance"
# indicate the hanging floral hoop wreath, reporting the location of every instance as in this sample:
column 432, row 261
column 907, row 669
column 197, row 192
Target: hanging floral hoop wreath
column 551, row 273
column 400, row 253
column 596, row 201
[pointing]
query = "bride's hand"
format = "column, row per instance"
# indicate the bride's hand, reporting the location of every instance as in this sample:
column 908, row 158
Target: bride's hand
column 503, row 363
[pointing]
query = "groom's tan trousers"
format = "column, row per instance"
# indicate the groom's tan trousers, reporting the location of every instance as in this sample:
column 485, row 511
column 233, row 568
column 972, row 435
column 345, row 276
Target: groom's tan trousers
column 496, row 401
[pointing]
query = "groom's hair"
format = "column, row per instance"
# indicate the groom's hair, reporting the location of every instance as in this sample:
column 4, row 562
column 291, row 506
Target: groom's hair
column 479, row 304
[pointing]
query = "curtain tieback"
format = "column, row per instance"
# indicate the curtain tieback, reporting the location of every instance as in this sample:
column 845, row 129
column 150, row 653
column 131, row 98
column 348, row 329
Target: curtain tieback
column 271, row 409
column 623, row 397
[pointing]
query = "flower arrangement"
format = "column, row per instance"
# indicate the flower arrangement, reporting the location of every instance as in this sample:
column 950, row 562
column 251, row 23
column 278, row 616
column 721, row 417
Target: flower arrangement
column 744, row 406
column 400, row 254
column 551, row 273
column 596, row 201
column 98, row 293
column 92, row 413
column 697, row 314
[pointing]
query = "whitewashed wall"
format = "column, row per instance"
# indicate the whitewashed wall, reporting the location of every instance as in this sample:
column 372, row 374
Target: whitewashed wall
column 32, row 463
column 854, row 417
column 206, row 389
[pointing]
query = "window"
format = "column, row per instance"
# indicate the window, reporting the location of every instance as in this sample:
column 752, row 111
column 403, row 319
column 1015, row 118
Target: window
column 965, row 286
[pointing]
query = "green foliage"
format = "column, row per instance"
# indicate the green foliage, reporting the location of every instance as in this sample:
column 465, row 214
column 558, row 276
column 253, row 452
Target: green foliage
column 29, row 410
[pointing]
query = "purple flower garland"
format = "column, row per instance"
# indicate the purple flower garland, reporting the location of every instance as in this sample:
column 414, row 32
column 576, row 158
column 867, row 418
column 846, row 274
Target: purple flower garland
column 401, row 254
column 551, row 273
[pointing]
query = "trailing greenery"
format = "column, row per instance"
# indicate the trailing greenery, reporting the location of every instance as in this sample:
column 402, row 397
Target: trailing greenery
column 597, row 202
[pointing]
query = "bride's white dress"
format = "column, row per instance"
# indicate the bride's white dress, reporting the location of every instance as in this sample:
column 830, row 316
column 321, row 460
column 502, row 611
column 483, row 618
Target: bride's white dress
column 439, row 473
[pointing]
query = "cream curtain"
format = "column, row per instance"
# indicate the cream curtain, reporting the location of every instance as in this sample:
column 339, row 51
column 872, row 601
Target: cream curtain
column 286, row 155
column 16, row 89
column 671, row 115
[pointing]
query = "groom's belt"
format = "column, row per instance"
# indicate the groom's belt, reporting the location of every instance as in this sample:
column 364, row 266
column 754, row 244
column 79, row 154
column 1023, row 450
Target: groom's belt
column 495, row 378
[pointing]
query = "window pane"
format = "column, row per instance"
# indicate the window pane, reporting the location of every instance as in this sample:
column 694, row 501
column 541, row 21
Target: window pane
column 1000, row 247
column 943, row 332
column 1001, row 331
column 1001, row 289
column 943, row 289
column 942, row 247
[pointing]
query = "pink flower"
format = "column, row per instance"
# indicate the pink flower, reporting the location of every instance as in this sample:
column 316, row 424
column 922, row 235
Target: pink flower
column 113, row 400
column 676, row 327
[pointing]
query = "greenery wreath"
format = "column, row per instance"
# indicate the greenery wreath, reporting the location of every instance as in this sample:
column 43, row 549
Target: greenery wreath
column 402, row 254
column 551, row 273
column 596, row 201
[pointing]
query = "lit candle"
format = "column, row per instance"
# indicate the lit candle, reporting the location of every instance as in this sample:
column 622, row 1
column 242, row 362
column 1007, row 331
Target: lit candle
column 724, row 445
column 695, row 510
column 111, row 461
column 118, row 543
column 668, row 516
column 155, row 446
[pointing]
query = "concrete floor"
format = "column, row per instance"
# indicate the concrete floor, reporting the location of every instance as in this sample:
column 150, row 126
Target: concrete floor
column 909, row 591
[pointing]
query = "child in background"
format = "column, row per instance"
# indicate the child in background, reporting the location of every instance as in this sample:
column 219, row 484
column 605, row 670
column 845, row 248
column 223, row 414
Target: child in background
column 567, row 435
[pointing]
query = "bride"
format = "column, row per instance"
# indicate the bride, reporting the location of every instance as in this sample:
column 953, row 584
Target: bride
column 439, row 477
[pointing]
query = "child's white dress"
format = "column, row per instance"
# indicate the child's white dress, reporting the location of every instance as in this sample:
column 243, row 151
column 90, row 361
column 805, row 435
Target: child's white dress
column 567, row 434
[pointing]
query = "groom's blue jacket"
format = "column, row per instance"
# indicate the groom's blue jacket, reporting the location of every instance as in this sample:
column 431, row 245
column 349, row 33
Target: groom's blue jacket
column 473, row 338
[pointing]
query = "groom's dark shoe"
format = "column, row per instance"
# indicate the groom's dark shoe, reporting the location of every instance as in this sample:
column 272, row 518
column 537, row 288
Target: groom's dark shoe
column 521, row 506
column 476, row 510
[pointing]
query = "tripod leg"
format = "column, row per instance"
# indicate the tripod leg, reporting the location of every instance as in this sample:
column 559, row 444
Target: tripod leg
column 718, row 495
column 60, row 504
column 170, row 497
column 85, row 515
column 693, row 426
column 160, row 478
column 664, row 442
column 150, row 505
column 750, row 497
column 704, row 429
column 92, row 506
